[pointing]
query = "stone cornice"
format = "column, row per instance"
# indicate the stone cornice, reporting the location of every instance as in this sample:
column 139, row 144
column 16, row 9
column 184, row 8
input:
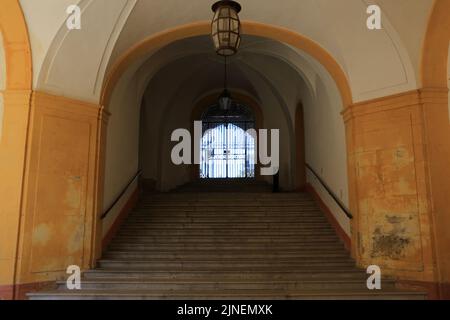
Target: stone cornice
column 68, row 105
column 397, row 101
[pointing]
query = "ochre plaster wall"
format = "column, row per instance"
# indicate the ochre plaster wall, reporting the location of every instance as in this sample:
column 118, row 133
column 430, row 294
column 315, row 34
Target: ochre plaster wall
column 389, row 186
column 60, row 223
column 2, row 81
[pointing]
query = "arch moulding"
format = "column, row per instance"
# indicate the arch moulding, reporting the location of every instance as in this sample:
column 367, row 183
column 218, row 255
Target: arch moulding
column 17, row 46
column 434, row 98
column 13, row 138
column 200, row 28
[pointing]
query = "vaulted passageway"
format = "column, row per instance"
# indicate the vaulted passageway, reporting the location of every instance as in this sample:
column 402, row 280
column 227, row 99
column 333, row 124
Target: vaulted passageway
column 275, row 79
column 87, row 117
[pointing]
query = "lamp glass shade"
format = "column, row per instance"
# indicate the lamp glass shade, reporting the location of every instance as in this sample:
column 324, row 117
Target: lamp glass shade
column 226, row 27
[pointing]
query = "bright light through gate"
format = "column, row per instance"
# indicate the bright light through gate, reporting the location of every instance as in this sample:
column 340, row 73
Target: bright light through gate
column 227, row 151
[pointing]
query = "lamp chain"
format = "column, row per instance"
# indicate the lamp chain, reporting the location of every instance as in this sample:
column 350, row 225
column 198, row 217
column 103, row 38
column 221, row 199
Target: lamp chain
column 226, row 75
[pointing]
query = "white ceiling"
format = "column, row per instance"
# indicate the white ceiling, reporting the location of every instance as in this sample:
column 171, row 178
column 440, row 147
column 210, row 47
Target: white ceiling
column 376, row 63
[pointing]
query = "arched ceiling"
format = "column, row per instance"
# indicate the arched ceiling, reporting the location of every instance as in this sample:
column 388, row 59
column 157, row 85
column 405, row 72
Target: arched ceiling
column 175, row 82
column 274, row 74
column 261, row 65
column 376, row 62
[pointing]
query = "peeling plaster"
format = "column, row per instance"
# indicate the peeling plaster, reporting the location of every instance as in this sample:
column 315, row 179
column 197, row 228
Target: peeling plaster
column 393, row 243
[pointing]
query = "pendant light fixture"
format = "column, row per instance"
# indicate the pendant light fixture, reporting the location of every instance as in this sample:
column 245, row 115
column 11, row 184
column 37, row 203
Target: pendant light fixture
column 226, row 27
column 226, row 35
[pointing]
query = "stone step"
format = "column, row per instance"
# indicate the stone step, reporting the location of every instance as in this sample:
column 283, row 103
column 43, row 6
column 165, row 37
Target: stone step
column 229, row 207
column 226, row 246
column 244, row 256
column 227, row 218
column 228, row 295
column 223, row 265
column 218, row 201
column 349, row 273
column 223, row 199
column 214, row 233
column 201, row 196
column 169, row 223
column 155, row 219
column 333, row 247
column 228, row 225
column 233, row 238
column 227, row 197
column 230, row 204
column 225, row 215
column 180, row 224
column 211, row 286
column 160, row 243
column 228, row 250
column 221, row 209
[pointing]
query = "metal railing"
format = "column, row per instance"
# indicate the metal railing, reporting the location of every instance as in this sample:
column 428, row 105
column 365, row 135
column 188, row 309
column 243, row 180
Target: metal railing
column 107, row 211
column 331, row 193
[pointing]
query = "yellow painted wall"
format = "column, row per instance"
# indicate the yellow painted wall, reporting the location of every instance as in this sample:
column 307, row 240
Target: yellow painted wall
column 448, row 79
column 388, row 170
column 2, row 80
column 60, row 216
column 12, row 155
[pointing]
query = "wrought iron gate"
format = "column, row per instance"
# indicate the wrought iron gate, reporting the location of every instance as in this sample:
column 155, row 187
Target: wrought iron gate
column 227, row 149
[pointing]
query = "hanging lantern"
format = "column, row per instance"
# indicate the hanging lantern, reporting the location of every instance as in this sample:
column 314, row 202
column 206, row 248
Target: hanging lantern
column 225, row 100
column 226, row 27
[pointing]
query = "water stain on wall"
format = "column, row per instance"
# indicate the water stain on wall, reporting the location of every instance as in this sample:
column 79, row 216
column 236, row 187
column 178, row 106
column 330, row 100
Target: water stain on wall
column 392, row 240
column 41, row 234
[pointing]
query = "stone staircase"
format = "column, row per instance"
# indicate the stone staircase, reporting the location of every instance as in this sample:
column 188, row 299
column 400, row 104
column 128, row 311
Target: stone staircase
column 191, row 245
column 225, row 185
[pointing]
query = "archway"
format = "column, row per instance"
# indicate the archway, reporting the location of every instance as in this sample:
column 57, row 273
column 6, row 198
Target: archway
column 13, row 138
column 227, row 148
column 135, row 55
column 432, row 101
column 250, row 28
column 202, row 105
column 434, row 96
column 152, row 47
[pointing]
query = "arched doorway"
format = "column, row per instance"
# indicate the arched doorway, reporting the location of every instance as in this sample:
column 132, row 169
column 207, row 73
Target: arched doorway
column 252, row 109
column 228, row 146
